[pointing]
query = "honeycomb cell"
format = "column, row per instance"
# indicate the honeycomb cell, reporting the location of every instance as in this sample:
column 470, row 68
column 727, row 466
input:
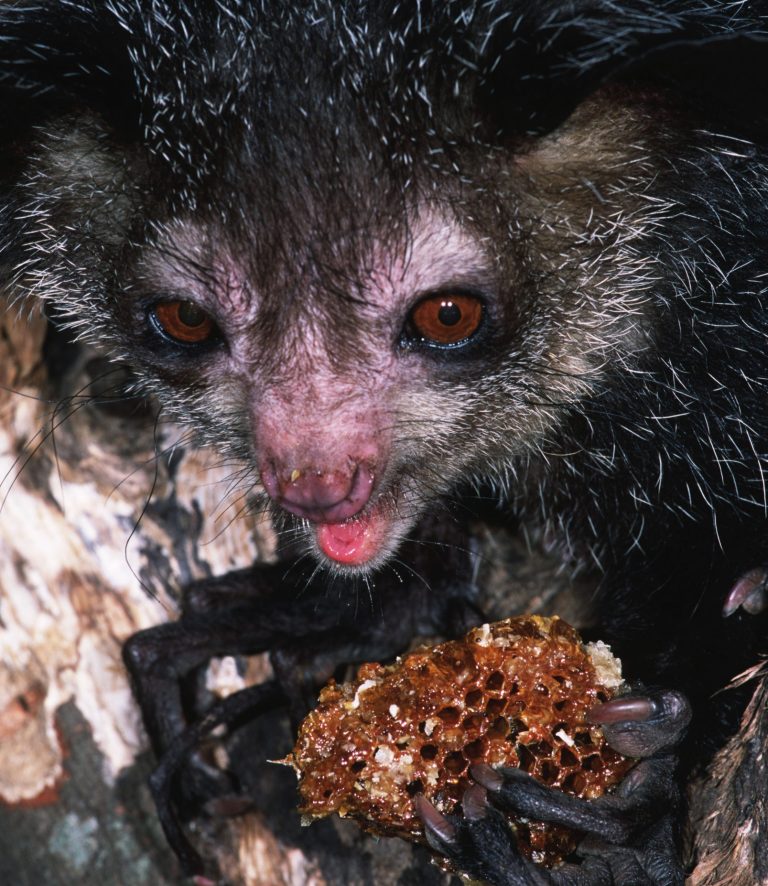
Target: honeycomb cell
column 540, row 748
column 473, row 722
column 517, row 726
column 499, row 728
column 548, row 772
column 455, row 763
column 475, row 750
column 568, row 758
column 474, row 698
column 495, row 681
column 592, row 763
column 526, row 758
column 449, row 716
column 575, row 783
column 415, row 787
column 495, row 706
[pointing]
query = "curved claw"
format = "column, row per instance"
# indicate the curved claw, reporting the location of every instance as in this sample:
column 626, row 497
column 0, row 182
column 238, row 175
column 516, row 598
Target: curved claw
column 750, row 593
column 440, row 833
column 252, row 700
column 643, row 724
column 490, row 779
column 474, row 803
column 634, row 708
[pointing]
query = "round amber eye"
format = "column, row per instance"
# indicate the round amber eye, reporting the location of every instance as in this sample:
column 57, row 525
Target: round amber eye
column 447, row 319
column 184, row 321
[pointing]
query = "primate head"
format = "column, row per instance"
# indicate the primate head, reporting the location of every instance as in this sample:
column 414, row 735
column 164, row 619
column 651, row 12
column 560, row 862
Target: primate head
column 372, row 251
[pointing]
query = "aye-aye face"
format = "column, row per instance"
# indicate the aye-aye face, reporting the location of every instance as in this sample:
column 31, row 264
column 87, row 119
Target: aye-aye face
column 363, row 334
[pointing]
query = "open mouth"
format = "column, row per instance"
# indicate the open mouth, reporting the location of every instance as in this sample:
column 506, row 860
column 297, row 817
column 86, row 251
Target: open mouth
column 357, row 541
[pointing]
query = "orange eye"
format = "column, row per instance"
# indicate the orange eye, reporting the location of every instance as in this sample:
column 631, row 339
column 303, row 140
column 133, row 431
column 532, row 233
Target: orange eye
column 447, row 319
column 184, row 321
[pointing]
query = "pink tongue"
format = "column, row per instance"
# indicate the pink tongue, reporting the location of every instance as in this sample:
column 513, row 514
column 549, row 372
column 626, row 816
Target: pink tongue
column 352, row 542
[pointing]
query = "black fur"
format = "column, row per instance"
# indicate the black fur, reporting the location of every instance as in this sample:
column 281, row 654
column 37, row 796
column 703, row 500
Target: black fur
column 329, row 124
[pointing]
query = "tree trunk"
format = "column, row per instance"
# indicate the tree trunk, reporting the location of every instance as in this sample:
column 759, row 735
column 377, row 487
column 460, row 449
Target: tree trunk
column 103, row 515
column 729, row 816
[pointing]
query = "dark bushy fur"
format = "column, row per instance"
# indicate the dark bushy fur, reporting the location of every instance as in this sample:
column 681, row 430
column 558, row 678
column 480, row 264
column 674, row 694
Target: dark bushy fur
column 613, row 160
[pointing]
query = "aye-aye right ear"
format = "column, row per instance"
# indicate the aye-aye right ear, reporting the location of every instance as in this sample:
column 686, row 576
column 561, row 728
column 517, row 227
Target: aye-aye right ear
column 538, row 61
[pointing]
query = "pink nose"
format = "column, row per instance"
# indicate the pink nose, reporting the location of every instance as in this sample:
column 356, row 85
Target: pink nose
column 319, row 494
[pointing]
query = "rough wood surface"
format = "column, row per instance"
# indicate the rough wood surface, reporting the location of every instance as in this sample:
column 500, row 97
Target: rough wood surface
column 729, row 822
column 105, row 513
column 92, row 520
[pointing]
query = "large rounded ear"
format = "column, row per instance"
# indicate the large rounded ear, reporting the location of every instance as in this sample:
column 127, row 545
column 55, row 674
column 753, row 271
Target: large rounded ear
column 56, row 56
column 60, row 54
column 724, row 80
column 540, row 60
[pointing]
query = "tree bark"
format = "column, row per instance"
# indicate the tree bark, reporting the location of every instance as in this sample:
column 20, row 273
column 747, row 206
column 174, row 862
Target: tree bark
column 104, row 514
column 729, row 814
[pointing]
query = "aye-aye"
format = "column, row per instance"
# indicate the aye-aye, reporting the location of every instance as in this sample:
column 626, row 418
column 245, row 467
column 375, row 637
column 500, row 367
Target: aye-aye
column 381, row 254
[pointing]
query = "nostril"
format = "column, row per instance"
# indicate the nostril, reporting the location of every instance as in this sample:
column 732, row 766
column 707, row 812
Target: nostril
column 361, row 485
column 319, row 494
column 270, row 481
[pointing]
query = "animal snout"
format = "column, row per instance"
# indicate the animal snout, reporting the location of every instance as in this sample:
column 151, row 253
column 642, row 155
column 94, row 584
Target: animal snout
column 319, row 494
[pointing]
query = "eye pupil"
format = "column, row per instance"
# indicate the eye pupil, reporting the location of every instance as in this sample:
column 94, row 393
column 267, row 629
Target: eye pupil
column 190, row 315
column 184, row 322
column 449, row 313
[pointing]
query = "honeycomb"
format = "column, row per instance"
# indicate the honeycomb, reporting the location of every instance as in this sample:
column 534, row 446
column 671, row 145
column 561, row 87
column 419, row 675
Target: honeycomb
column 514, row 693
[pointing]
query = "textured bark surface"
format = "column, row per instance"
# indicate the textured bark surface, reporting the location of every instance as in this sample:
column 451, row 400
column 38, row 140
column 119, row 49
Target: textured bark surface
column 729, row 821
column 104, row 514
column 102, row 518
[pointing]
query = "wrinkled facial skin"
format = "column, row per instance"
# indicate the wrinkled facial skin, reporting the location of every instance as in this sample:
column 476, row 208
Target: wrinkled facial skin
column 331, row 397
column 314, row 374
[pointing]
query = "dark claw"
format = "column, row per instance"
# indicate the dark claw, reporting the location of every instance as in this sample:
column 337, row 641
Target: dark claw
column 440, row 833
column 252, row 700
column 474, row 803
column 481, row 843
column 487, row 777
column 750, row 593
column 643, row 725
column 635, row 709
column 503, row 778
